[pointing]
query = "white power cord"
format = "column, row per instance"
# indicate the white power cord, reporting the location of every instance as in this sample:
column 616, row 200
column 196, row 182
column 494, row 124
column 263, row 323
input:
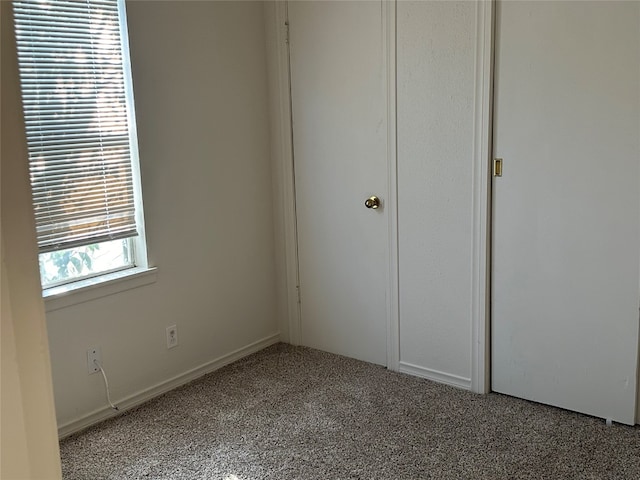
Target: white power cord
column 106, row 384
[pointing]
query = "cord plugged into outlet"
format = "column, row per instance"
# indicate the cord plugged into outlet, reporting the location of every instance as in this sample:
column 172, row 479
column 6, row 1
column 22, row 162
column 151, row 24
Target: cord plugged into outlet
column 94, row 365
column 172, row 336
column 106, row 384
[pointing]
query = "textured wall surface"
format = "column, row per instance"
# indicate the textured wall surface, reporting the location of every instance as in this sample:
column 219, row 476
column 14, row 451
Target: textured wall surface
column 435, row 133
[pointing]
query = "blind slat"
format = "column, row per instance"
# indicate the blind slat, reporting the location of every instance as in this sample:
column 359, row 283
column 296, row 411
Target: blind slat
column 99, row 185
column 38, row 166
column 97, row 182
column 73, row 87
column 86, row 214
column 77, row 148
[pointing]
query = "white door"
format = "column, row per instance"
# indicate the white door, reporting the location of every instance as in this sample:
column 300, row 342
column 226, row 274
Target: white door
column 566, row 240
column 338, row 95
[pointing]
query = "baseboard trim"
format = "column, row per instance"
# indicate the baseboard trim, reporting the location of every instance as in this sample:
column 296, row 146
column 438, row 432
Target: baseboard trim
column 435, row 375
column 147, row 394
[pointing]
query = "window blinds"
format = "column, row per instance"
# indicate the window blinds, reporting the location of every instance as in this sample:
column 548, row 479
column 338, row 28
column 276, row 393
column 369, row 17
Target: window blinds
column 73, row 89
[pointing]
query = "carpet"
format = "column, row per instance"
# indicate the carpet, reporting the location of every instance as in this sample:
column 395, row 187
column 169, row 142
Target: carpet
column 297, row 413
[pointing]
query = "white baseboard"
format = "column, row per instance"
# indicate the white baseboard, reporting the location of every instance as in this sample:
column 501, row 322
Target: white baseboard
column 147, row 394
column 435, row 375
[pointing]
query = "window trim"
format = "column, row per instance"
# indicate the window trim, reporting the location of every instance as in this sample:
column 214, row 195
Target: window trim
column 85, row 290
column 139, row 243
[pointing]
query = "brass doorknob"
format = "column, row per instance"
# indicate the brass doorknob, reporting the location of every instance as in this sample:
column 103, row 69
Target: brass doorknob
column 372, row 202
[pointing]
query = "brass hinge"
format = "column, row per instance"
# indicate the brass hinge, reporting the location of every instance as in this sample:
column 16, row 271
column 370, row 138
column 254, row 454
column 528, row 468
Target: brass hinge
column 497, row 167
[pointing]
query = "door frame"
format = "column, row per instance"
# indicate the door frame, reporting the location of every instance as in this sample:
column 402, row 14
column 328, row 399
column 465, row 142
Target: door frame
column 276, row 18
column 276, row 24
column 481, row 197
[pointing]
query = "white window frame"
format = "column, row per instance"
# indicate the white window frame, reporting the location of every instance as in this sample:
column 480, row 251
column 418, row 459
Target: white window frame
column 139, row 243
column 139, row 273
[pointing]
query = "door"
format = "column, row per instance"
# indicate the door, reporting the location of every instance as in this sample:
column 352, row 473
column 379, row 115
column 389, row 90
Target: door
column 338, row 96
column 566, row 240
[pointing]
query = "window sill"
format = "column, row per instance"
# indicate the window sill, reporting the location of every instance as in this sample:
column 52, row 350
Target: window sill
column 82, row 291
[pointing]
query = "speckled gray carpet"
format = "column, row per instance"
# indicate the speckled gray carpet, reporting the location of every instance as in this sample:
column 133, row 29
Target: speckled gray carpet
column 295, row 413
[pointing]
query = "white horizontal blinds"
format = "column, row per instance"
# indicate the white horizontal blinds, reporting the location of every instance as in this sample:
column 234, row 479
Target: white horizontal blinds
column 71, row 71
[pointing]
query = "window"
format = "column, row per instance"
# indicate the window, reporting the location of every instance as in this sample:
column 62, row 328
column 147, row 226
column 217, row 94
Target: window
column 78, row 106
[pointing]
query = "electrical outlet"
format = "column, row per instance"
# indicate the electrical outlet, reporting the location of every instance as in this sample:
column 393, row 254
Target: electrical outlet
column 172, row 336
column 93, row 354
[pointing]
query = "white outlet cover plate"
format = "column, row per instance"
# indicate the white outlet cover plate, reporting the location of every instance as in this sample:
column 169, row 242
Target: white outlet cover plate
column 172, row 336
column 93, row 354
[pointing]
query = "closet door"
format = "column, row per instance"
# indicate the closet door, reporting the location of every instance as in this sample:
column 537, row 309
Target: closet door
column 566, row 242
column 339, row 109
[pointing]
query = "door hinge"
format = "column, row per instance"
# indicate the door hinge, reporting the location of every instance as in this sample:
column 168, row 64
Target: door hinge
column 497, row 167
column 286, row 32
column 298, row 292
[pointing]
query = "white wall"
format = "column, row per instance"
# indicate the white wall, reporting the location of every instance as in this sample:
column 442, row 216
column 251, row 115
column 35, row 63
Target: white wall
column 28, row 423
column 200, row 83
column 435, row 81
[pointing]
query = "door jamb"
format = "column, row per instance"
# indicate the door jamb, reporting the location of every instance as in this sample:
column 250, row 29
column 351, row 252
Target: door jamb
column 482, row 180
column 282, row 162
column 393, row 306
